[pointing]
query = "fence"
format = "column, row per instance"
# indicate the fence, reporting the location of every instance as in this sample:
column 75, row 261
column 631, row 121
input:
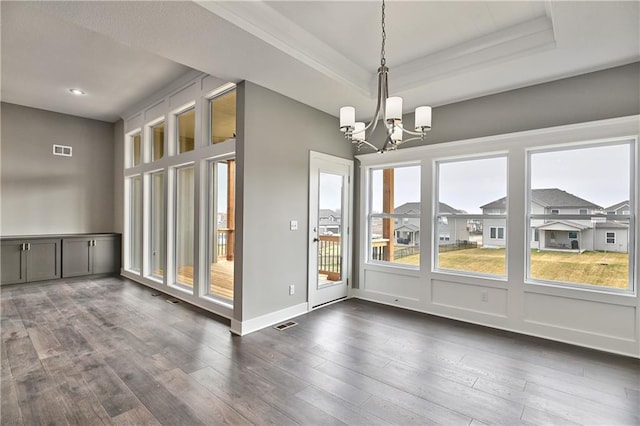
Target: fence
column 458, row 245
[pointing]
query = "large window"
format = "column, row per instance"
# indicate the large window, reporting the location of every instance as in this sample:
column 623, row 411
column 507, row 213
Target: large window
column 222, row 124
column 221, row 228
column 579, row 244
column 184, row 225
column 394, row 215
column 135, row 224
column 158, row 226
column 471, row 216
column 186, row 130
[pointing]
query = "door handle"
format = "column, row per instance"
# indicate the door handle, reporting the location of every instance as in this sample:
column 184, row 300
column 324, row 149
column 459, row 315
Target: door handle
column 315, row 240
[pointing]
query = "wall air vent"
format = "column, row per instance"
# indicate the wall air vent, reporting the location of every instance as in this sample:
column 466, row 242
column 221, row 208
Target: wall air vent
column 65, row 151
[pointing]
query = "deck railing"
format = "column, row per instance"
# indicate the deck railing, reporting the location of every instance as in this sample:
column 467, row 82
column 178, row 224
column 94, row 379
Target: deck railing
column 330, row 256
column 225, row 243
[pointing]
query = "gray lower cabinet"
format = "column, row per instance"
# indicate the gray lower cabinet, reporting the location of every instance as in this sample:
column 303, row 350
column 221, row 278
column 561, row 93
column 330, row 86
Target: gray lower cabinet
column 25, row 260
column 89, row 255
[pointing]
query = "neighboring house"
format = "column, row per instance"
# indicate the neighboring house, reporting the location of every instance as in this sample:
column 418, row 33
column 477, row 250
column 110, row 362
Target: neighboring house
column 560, row 234
column 329, row 222
column 450, row 229
column 623, row 207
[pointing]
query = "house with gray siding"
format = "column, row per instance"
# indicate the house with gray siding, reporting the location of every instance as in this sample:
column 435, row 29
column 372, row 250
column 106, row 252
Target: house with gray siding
column 598, row 233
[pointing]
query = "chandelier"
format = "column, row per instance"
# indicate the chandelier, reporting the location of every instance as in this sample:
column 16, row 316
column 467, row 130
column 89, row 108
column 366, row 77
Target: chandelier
column 389, row 108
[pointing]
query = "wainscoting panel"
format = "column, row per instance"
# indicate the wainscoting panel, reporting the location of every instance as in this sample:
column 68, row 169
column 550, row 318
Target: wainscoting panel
column 466, row 297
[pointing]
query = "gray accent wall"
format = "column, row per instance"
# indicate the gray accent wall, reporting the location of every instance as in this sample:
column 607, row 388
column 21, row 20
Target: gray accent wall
column 600, row 95
column 118, row 179
column 45, row 194
column 275, row 135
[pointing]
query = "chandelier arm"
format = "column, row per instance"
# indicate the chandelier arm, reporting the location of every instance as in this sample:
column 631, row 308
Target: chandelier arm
column 369, row 144
column 379, row 105
column 410, row 132
column 409, row 140
column 387, row 141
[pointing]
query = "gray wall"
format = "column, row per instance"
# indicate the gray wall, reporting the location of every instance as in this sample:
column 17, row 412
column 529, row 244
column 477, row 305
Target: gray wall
column 43, row 193
column 118, row 173
column 589, row 97
column 273, row 188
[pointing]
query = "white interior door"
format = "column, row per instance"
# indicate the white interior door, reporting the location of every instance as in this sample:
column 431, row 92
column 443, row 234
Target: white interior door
column 330, row 199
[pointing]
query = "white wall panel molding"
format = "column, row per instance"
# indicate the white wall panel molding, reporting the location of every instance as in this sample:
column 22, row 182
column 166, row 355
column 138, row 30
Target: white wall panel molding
column 590, row 317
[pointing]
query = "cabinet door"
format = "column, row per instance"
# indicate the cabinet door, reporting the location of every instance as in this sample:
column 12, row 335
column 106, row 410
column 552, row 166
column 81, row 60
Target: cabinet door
column 76, row 257
column 14, row 268
column 106, row 255
column 43, row 260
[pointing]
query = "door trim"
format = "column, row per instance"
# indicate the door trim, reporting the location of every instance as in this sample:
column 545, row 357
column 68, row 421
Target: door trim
column 348, row 273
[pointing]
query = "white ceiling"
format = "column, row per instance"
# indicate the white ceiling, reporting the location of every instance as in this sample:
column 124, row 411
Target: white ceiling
column 322, row 53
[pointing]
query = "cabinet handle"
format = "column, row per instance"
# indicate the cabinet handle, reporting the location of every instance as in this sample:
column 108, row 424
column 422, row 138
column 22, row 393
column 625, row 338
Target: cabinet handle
column 23, row 247
column 28, row 246
column 94, row 243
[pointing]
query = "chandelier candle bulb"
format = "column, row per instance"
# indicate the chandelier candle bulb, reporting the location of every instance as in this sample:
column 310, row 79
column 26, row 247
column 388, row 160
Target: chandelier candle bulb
column 347, row 117
column 393, row 110
column 358, row 131
column 423, row 118
column 396, row 136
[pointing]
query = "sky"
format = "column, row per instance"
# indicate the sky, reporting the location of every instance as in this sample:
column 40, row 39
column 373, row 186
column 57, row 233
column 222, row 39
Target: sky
column 599, row 175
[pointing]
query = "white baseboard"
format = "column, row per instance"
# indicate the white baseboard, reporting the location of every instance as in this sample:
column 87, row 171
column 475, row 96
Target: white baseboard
column 242, row 328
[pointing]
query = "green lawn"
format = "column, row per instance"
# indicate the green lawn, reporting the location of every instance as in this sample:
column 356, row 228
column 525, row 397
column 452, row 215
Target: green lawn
column 597, row 268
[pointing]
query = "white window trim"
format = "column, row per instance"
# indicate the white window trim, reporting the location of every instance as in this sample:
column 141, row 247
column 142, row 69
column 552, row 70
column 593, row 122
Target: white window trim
column 513, row 144
column 370, row 216
column 578, row 144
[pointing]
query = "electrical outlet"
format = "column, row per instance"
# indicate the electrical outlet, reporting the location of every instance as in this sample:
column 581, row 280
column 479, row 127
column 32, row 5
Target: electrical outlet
column 484, row 296
column 293, row 225
column 292, row 289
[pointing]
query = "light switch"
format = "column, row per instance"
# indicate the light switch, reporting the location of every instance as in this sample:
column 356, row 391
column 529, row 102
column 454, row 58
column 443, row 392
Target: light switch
column 293, row 225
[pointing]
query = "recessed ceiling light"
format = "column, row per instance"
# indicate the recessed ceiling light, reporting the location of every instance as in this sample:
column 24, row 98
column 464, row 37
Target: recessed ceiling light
column 77, row 92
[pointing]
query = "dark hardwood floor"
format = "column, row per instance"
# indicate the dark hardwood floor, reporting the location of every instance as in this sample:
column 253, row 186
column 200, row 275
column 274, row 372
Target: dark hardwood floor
column 105, row 351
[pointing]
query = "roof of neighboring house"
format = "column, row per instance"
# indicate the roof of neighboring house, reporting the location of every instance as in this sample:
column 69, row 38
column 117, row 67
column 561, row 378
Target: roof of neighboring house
column 331, row 223
column 408, row 227
column 408, row 208
column 549, row 197
column 618, row 206
column 562, row 225
column 414, row 208
column 328, row 213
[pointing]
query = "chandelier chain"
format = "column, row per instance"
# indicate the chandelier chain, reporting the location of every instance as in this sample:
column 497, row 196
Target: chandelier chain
column 383, row 60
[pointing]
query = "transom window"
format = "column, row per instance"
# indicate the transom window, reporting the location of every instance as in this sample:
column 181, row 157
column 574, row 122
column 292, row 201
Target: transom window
column 185, row 130
column 222, row 118
column 135, row 150
column 157, row 141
